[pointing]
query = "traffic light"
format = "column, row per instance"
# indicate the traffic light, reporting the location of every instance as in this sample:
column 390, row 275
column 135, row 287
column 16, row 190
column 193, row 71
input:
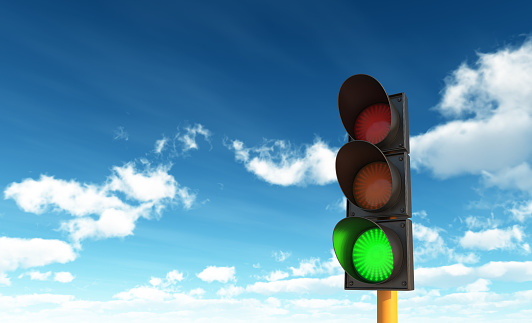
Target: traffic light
column 374, row 242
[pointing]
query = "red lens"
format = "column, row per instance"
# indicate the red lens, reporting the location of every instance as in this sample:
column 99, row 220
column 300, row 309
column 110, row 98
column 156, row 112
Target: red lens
column 373, row 123
column 372, row 186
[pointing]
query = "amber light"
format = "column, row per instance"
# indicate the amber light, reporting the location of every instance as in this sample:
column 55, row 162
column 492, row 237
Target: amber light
column 373, row 123
column 372, row 187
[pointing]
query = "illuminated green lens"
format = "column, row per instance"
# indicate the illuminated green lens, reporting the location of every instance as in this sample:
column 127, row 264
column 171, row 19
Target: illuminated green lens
column 372, row 256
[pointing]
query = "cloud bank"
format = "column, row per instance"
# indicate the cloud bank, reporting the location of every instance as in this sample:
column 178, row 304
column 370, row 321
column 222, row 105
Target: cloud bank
column 489, row 111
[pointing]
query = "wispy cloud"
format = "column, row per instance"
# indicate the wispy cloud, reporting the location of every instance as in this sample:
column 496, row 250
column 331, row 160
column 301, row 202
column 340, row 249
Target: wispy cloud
column 37, row 275
column 276, row 275
column 188, row 138
column 338, row 206
column 160, row 289
column 120, row 134
column 185, row 139
column 431, row 245
column 306, row 267
column 160, row 145
column 522, row 211
column 313, row 266
column 281, row 255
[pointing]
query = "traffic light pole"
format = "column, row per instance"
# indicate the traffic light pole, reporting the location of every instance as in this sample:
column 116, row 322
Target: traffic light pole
column 386, row 306
column 373, row 243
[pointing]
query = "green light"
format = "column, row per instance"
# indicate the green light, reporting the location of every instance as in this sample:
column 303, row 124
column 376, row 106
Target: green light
column 372, row 256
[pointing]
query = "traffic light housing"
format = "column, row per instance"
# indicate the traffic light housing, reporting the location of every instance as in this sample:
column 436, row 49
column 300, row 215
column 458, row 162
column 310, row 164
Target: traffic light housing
column 374, row 242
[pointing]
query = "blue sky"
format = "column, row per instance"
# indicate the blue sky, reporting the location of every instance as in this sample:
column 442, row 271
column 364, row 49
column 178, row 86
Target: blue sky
column 174, row 161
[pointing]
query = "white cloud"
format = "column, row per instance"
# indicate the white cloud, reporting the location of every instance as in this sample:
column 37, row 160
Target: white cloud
column 470, row 258
column 38, row 196
column 186, row 196
column 160, row 145
column 480, row 285
column 522, row 211
column 460, row 275
column 422, row 214
column 278, row 163
column 197, row 292
column 299, row 285
column 230, row 291
column 107, row 210
column 143, row 293
column 134, row 307
column 492, row 124
column 174, row 276
column 111, row 224
column 276, row 275
column 331, row 304
column 37, row 275
column 510, row 238
column 63, row 277
column 418, row 306
column 338, row 206
column 155, row 281
column 432, row 244
column 510, row 178
column 153, row 184
column 445, row 276
column 478, row 222
column 307, row 267
column 22, row 301
column 26, row 253
column 314, row 266
column 507, row 270
column 156, row 304
column 4, row 280
column 214, row 273
column 332, row 266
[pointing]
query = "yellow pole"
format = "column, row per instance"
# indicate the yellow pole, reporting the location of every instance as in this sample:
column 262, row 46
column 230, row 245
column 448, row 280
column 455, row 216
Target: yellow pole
column 386, row 306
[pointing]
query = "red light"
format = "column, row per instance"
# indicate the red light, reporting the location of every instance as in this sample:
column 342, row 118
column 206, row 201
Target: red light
column 373, row 123
column 372, row 186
